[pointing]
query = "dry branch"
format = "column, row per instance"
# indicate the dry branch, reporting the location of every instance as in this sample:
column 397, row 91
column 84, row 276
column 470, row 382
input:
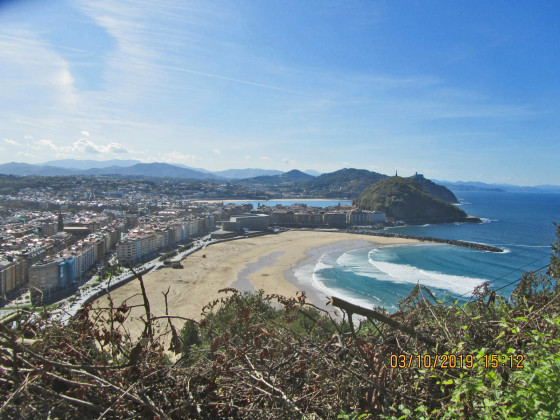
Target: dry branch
column 351, row 309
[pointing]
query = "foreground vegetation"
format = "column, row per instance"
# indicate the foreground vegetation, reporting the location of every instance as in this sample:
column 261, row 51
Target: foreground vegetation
column 266, row 356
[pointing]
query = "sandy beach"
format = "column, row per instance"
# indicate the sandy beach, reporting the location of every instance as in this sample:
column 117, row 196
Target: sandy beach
column 265, row 262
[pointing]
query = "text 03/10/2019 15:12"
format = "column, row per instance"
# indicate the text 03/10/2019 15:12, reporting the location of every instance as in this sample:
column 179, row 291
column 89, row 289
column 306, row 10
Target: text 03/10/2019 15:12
column 455, row 361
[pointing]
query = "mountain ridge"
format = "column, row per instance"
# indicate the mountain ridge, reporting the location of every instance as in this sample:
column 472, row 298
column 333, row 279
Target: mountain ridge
column 344, row 183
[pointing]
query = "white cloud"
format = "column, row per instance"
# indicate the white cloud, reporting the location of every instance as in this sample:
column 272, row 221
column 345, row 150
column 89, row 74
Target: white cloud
column 28, row 137
column 116, row 148
column 247, row 157
column 88, row 146
column 35, row 68
column 289, row 161
column 84, row 133
column 174, row 157
column 12, row 142
column 80, row 146
column 84, row 146
column 264, row 158
column 45, row 144
column 217, row 151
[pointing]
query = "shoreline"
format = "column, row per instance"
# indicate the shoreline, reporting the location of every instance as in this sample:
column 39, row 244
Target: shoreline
column 316, row 293
column 267, row 262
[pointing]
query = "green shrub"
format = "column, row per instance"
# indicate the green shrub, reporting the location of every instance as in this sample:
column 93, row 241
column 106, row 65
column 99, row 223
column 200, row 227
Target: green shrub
column 189, row 337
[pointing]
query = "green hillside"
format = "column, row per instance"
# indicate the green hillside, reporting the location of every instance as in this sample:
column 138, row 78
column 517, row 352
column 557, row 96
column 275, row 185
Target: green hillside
column 404, row 199
column 436, row 190
column 344, row 183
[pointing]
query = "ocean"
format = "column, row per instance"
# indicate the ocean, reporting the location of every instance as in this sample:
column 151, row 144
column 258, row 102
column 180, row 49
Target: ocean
column 520, row 223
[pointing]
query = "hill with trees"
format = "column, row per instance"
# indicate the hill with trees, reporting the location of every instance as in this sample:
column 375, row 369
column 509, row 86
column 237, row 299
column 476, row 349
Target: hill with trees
column 404, row 199
column 344, row 183
column 291, row 177
column 436, row 190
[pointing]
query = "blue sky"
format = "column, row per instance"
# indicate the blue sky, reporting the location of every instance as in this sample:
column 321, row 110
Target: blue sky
column 453, row 90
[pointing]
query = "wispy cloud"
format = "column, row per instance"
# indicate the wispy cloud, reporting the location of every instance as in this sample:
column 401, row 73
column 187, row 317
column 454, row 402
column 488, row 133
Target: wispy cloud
column 232, row 79
column 80, row 146
column 12, row 142
column 45, row 144
column 174, row 157
column 30, row 64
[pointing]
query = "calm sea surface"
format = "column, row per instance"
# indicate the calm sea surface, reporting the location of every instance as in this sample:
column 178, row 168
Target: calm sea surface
column 521, row 223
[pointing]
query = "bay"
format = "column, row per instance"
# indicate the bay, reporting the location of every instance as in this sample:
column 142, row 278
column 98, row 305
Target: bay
column 520, row 223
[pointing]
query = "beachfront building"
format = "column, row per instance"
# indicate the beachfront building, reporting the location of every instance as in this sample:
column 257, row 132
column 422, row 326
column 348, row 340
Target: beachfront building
column 141, row 244
column 252, row 222
column 12, row 274
column 50, row 278
column 84, row 258
column 366, row 218
column 282, row 217
column 137, row 246
column 336, row 219
column 243, row 224
column 308, row 219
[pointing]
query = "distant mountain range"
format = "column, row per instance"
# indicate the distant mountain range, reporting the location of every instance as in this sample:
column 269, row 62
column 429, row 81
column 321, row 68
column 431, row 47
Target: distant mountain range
column 161, row 170
column 348, row 182
column 481, row 186
column 89, row 164
column 246, row 173
column 65, row 167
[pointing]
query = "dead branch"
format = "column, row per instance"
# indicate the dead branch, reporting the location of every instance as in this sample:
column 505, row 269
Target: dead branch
column 350, row 309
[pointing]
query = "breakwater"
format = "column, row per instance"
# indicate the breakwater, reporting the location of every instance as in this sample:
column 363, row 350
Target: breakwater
column 456, row 242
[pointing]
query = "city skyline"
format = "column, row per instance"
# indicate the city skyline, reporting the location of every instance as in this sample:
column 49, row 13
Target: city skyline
column 457, row 92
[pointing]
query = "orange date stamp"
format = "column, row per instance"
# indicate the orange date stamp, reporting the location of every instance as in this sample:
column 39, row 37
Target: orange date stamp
column 456, row 361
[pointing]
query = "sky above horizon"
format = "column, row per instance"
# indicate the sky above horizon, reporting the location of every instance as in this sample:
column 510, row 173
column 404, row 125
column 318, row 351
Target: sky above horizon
column 454, row 90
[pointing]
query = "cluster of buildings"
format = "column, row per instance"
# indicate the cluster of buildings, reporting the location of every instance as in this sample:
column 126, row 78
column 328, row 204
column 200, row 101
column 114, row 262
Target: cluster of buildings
column 47, row 252
column 143, row 243
column 26, row 237
column 298, row 216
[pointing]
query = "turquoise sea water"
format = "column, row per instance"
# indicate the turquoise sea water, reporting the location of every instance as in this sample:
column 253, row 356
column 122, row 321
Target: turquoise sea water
column 521, row 223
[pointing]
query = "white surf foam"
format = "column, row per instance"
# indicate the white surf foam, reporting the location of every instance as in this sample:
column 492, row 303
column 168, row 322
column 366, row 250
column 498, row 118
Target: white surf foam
column 407, row 274
column 310, row 275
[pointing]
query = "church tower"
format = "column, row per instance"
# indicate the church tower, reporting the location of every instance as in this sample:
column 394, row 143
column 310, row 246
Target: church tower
column 60, row 221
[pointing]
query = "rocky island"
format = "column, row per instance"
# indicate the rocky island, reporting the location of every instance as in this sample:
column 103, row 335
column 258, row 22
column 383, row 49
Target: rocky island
column 403, row 199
